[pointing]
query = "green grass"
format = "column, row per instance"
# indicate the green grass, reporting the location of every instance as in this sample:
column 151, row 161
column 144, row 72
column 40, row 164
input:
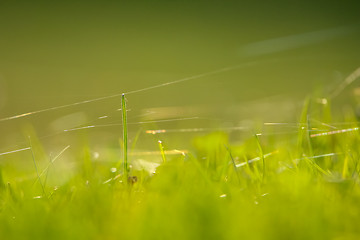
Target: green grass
column 307, row 188
column 125, row 136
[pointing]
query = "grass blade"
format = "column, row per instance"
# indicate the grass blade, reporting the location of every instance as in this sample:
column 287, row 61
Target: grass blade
column 161, row 146
column 125, row 136
column 36, row 169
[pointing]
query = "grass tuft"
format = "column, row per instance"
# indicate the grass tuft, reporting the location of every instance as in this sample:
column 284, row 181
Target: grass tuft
column 284, row 186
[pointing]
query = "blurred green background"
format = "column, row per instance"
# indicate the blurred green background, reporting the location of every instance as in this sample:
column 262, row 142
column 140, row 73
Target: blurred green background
column 56, row 53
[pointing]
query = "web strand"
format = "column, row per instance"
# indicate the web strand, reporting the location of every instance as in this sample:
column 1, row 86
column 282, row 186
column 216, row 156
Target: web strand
column 222, row 70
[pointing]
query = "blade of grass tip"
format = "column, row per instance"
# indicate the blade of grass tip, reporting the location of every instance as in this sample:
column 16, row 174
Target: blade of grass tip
column 233, row 163
column 125, row 137
column 36, row 169
column 161, row 146
column 261, row 154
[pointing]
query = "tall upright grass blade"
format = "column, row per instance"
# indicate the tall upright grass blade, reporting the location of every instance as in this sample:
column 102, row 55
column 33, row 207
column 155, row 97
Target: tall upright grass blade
column 125, row 136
